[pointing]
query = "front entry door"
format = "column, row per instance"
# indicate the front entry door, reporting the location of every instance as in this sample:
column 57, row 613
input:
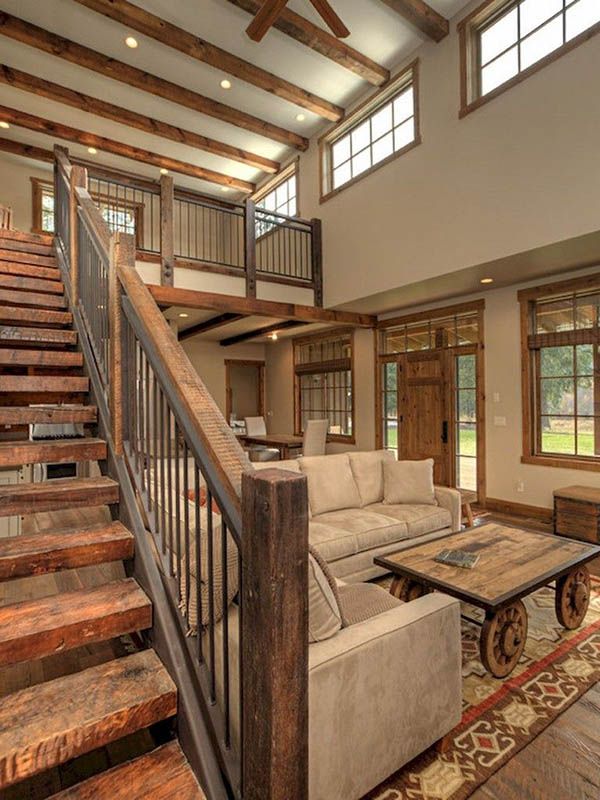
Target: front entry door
column 424, row 392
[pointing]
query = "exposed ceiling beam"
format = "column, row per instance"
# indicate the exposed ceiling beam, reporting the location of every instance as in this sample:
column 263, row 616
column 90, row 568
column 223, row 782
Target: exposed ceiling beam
column 100, row 108
column 190, row 298
column 244, row 337
column 185, row 42
column 26, row 150
column 32, row 35
column 332, row 19
column 209, row 325
column 57, row 129
column 322, row 42
column 422, row 16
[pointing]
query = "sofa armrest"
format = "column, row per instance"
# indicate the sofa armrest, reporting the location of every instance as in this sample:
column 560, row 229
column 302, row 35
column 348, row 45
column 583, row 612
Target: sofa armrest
column 381, row 692
column 450, row 500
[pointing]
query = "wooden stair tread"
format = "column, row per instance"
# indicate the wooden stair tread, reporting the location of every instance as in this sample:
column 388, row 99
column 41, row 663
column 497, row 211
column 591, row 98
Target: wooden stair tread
column 163, row 774
column 56, row 550
column 41, row 316
column 38, row 628
column 30, row 498
column 51, row 723
column 26, row 236
column 27, row 258
column 40, row 358
column 20, row 246
column 51, row 451
column 24, row 284
column 16, row 333
column 43, row 383
column 29, row 270
column 57, row 415
column 34, row 299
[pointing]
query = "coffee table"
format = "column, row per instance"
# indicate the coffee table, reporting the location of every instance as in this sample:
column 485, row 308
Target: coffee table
column 513, row 562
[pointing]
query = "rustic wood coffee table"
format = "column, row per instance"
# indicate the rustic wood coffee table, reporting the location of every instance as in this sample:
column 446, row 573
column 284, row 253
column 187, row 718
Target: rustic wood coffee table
column 512, row 564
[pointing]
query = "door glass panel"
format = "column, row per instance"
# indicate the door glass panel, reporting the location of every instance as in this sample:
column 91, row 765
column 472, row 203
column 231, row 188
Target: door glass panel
column 466, row 422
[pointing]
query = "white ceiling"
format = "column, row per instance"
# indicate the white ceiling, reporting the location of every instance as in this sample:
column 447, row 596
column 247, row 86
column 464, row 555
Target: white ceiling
column 377, row 31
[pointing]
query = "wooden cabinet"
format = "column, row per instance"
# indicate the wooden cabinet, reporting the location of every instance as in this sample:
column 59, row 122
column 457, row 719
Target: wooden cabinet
column 577, row 513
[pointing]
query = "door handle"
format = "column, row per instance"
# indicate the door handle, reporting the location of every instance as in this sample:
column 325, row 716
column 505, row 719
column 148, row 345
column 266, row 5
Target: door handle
column 445, row 431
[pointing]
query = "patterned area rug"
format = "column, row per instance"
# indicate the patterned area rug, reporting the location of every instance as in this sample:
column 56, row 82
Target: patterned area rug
column 502, row 717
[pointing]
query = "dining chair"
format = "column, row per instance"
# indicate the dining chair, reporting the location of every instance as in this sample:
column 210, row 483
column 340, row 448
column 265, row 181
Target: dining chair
column 255, row 426
column 315, row 437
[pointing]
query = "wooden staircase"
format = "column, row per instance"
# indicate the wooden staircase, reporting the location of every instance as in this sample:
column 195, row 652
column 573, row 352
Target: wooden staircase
column 46, row 725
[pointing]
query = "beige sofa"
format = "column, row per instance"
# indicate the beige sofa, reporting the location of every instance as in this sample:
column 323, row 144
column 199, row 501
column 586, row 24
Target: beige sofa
column 350, row 523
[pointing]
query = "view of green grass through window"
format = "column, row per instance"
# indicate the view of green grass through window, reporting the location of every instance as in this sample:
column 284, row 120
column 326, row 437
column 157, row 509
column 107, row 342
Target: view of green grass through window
column 466, row 422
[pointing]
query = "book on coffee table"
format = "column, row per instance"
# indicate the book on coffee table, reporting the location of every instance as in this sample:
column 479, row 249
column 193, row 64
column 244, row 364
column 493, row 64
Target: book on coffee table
column 457, row 558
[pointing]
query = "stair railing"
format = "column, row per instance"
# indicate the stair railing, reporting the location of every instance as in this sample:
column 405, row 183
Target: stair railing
column 221, row 549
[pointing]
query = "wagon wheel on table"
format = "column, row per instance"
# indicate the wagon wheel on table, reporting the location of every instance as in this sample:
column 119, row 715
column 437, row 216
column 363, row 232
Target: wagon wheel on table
column 406, row 589
column 572, row 597
column 503, row 638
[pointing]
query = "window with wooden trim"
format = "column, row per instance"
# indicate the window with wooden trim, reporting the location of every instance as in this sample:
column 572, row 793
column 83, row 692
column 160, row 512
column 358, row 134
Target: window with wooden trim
column 323, row 377
column 504, row 41
column 280, row 197
column 380, row 130
column 561, row 383
column 42, row 211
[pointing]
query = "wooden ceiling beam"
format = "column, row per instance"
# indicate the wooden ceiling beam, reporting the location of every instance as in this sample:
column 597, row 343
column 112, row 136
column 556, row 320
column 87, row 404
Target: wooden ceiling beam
column 54, row 45
column 322, row 42
column 167, row 296
column 26, row 150
column 166, row 33
column 101, row 108
column 209, row 325
column 265, row 331
column 422, row 16
column 65, row 132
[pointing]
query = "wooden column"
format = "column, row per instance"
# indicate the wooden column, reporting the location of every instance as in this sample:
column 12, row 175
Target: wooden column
column 78, row 178
column 122, row 254
column 317, row 261
column 250, row 247
column 167, row 230
column 274, row 641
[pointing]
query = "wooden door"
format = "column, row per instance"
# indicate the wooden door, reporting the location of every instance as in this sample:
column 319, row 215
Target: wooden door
column 424, row 394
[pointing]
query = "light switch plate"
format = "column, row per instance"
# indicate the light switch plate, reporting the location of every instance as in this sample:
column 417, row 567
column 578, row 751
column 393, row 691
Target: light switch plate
column 500, row 422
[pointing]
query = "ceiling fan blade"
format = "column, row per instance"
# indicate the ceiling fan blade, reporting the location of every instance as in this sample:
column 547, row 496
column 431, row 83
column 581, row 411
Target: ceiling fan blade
column 331, row 18
column 264, row 18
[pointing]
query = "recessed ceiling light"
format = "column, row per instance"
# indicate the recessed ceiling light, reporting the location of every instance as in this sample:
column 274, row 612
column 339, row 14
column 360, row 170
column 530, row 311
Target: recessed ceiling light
column 225, row 84
column 300, row 117
column 132, row 42
column 92, row 151
column 486, row 280
column 164, row 171
column 4, row 124
column 273, row 336
column 183, row 315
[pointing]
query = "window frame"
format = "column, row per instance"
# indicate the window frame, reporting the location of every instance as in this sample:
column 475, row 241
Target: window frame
column 530, row 377
column 289, row 171
column 469, row 30
column 408, row 77
column 298, row 341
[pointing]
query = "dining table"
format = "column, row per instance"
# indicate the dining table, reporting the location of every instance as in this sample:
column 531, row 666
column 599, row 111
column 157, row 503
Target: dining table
column 284, row 442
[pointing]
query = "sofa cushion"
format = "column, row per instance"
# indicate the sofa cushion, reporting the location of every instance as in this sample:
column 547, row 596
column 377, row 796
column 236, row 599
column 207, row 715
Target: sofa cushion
column 419, row 519
column 408, row 482
column 370, row 530
column 292, row 464
column 367, row 469
column 324, row 615
column 332, row 543
column 331, row 485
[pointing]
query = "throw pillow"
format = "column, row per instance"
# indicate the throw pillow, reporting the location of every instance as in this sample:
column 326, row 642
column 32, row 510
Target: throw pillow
column 408, row 482
column 324, row 615
column 331, row 485
column 367, row 469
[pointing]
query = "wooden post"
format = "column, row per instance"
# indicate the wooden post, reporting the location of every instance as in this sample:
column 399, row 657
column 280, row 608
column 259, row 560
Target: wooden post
column 274, row 641
column 250, row 247
column 78, row 178
column 122, row 254
column 317, row 261
column 167, row 230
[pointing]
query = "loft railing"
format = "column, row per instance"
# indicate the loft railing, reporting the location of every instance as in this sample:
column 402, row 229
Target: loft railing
column 178, row 226
column 221, row 549
column 5, row 217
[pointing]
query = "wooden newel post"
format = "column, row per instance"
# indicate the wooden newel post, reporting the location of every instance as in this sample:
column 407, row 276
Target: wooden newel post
column 79, row 178
column 122, row 254
column 317, row 261
column 250, row 247
column 274, row 641
column 167, row 231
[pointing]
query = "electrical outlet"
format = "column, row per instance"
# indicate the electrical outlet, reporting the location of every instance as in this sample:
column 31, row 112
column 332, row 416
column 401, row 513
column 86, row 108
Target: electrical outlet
column 496, row 397
column 500, row 422
column 520, row 486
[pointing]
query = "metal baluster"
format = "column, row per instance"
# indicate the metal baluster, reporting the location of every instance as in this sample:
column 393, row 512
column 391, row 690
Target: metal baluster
column 211, row 596
column 198, row 535
column 186, row 530
column 163, row 509
column 177, row 510
column 169, row 492
column 225, row 607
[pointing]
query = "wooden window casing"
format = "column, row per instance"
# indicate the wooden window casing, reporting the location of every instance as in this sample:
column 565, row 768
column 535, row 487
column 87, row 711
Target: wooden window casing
column 488, row 13
column 574, row 305
column 335, row 377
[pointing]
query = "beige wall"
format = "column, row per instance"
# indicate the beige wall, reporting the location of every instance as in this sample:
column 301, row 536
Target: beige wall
column 15, row 187
column 518, row 173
